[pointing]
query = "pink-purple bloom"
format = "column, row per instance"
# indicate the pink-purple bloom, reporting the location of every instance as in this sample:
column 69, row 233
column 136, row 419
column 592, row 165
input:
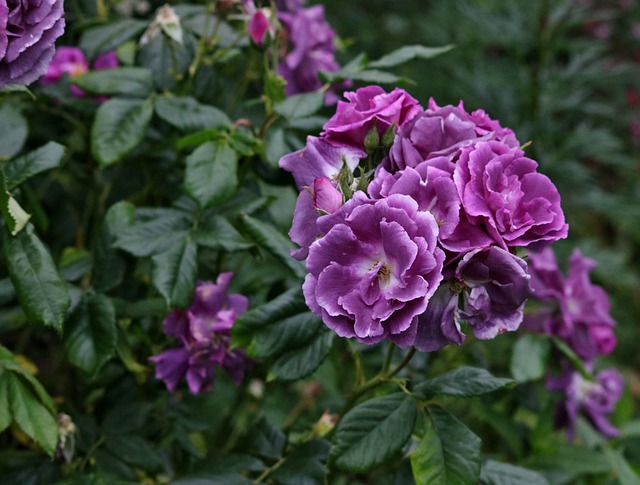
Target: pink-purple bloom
column 595, row 399
column 372, row 273
column 203, row 331
column 258, row 25
column 576, row 310
column 310, row 49
column 367, row 108
column 28, row 31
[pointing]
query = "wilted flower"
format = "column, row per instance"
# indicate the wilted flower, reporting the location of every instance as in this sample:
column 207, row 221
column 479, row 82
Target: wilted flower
column 578, row 311
column 166, row 21
column 311, row 49
column 596, row 400
column 365, row 109
column 204, row 332
column 444, row 131
column 28, row 30
column 500, row 188
column 375, row 268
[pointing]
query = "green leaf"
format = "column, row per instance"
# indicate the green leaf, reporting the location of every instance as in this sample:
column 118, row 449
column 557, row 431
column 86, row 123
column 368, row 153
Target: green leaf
column 624, row 472
column 8, row 361
column 108, row 264
column 167, row 60
column 5, row 415
column 266, row 440
column 186, row 114
column 91, row 334
column 13, row 130
column 106, row 37
column 211, row 173
column 449, row 453
column 305, row 464
column 373, row 432
column 14, row 216
column 301, row 361
column 34, row 419
column 496, row 473
column 216, row 232
column 129, row 81
column 408, row 53
column 41, row 292
column 175, row 271
column 26, row 166
column 94, row 479
column 266, row 236
column 300, row 105
column 154, row 234
column 570, row 458
column 134, row 450
column 529, row 357
column 462, row 382
column 119, row 126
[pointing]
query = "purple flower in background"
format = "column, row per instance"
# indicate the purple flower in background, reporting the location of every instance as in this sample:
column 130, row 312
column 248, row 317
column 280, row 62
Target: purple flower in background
column 204, row 333
column 372, row 273
column 581, row 314
column 596, row 400
column 444, row 131
column 28, row 31
column 500, row 188
column 311, row 49
column 366, row 108
column 106, row 60
column 288, row 5
column 496, row 287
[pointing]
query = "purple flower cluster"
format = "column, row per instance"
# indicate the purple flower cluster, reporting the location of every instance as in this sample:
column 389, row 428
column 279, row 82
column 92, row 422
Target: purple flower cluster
column 28, row 31
column 577, row 312
column 72, row 61
column 409, row 218
column 203, row 331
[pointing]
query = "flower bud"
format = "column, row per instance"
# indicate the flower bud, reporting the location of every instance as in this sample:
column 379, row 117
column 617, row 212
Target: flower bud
column 372, row 140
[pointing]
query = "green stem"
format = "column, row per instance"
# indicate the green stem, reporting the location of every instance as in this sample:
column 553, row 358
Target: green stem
column 389, row 358
column 267, row 471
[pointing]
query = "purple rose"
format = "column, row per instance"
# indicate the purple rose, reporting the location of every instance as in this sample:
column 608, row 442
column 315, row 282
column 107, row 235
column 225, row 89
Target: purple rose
column 28, row 30
column 496, row 287
column 501, row 189
column 578, row 311
column 596, row 400
column 366, row 108
column 372, row 273
column 203, row 331
column 311, row 49
column 106, row 60
column 444, row 131
column 67, row 60
column 438, row 326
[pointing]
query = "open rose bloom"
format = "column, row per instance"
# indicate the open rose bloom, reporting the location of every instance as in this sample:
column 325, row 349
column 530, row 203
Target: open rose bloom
column 409, row 219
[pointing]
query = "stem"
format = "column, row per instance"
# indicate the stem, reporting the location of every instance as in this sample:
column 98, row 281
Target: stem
column 358, row 363
column 389, row 358
column 267, row 471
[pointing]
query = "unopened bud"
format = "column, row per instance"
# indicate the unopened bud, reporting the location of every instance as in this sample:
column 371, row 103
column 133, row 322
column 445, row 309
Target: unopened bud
column 372, row 140
column 389, row 136
column 325, row 424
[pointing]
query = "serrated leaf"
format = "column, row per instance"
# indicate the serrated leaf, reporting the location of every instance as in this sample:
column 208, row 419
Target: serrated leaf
column 175, row 271
column 91, row 334
column 5, row 415
column 211, row 173
column 408, row 53
column 186, row 114
column 106, row 37
column 14, row 216
column 167, row 60
column 462, row 382
column 529, row 357
column 304, row 465
column 133, row 450
column 34, row 419
column 13, row 130
column 266, row 236
column 156, row 233
column 41, row 292
column 9, row 362
column 300, row 105
column 624, row 472
column 449, row 453
column 301, row 361
column 217, row 233
column 496, row 473
column 26, row 166
column 129, row 81
column 108, row 264
column 373, row 432
column 119, row 126
column 267, row 441
column 570, row 458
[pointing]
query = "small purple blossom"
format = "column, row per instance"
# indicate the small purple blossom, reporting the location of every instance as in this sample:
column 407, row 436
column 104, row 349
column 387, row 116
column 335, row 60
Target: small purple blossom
column 578, row 311
column 258, row 25
column 444, row 131
column 28, row 31
column 372, row 273
column 366, row 108
column 500, row 188
column 596, row 400
column 203, row 331
column 311, row 49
